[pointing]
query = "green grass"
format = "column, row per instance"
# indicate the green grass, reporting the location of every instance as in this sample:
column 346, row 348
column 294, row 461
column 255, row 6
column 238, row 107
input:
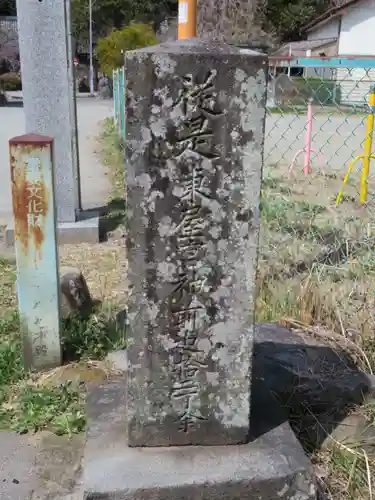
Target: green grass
column 349, row 474
column 32, row 409
column 91, row 338
column 25, row 405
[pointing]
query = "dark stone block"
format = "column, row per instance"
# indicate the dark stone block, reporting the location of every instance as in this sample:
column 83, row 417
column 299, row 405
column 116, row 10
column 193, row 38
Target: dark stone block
column 311, row 384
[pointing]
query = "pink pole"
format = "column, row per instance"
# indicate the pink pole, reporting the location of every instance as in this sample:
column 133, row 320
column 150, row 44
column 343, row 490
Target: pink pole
column 308, row 139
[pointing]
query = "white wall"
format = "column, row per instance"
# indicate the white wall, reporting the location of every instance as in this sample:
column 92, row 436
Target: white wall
column 330, row 29
column 358, row 30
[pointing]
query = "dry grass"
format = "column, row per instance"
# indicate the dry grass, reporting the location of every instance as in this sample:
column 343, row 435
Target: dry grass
column 324, row 253
column 317, row 272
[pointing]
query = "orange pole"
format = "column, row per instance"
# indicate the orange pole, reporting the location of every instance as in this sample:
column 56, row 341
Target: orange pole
column 187, row 19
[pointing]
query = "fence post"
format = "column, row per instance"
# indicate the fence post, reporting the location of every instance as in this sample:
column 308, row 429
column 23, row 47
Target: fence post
column 119, row 99
column 368, row 147
column 115, row 90
column 34, row 214
column 122, row 101
column 114, row 95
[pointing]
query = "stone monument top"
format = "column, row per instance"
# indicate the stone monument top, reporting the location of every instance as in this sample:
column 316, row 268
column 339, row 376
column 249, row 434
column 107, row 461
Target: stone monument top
column 217, row 46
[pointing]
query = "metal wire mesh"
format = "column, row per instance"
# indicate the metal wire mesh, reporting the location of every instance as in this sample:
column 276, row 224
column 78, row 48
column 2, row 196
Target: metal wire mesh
column 339, row 96
column 317, row 264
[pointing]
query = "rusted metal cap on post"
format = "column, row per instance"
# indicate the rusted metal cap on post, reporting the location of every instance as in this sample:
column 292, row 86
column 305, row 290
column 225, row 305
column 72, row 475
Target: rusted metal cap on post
column 31, row 139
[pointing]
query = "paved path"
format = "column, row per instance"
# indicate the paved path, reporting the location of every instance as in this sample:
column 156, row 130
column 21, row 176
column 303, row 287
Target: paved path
column 94, row 182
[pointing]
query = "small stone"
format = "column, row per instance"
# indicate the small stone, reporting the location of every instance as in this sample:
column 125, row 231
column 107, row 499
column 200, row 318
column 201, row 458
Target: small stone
column 15, row 481
column 75, row 295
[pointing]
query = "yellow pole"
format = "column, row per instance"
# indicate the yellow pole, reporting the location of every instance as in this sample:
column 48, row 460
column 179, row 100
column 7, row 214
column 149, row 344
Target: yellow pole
column 368, row 147
column 346, row 178
column 187, row 19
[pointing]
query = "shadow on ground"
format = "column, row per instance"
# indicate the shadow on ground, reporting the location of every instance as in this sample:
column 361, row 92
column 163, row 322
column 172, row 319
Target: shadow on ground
column 111, row 216
column 311, row 385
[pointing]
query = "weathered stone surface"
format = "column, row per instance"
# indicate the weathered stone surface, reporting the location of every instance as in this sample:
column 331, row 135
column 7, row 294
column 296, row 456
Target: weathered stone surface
column 40, row 466
column 118, row 361
column 75, row 295
column 273, row 467
column 195, row 126
column 57, row 467
column 299, row 378
column 235, row 22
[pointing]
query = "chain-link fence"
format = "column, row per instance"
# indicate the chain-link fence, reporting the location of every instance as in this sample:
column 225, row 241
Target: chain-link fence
column 339, row 99
column 317, row 262
column 317, row 257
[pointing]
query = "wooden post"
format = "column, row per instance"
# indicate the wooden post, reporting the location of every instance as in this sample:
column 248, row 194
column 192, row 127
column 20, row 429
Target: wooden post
column 36, row 249
column 187, row 19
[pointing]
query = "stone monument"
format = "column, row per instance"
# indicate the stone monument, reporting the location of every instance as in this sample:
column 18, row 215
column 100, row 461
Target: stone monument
column 194, row 205
column 49, row 105
column 195, row 132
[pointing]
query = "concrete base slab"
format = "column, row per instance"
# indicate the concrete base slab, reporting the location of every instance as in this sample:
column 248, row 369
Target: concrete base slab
column 82, row 231
column 57, row 467
column 273, row 467
column 17, row 456
column 40, row 466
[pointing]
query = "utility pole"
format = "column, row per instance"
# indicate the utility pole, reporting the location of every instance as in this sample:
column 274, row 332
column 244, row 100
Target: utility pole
column 187, row 19
column 91, row 54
